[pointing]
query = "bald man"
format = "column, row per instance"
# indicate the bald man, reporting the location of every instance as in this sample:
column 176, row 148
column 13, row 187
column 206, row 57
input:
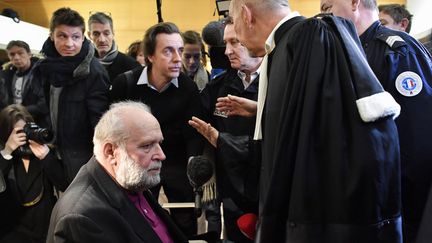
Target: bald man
column 330, row 168
column 109, row 200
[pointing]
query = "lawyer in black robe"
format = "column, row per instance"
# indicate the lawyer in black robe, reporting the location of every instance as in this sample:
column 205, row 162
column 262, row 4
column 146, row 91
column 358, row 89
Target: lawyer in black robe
column 330, row 154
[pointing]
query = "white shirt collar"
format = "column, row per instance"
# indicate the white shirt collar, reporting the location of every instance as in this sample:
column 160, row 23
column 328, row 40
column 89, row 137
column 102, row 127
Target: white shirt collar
column 143, row 79
column 270, row 42
column 242, row 76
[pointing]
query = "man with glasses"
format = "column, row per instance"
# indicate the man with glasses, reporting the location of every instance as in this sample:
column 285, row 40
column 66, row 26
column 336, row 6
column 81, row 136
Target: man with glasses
column 101, row 32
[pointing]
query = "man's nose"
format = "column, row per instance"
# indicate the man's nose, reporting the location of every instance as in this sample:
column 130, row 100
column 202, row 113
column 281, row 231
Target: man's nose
column 69, row 42
column 102, row 38
column 177, row 56
column 228, row 50
column 160, row 153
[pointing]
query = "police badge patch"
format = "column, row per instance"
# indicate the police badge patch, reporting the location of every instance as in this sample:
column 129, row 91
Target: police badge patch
column 409, row 84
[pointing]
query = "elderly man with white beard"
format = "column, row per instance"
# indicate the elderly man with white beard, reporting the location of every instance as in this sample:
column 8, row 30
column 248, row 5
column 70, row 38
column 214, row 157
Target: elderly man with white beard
column 109, row 200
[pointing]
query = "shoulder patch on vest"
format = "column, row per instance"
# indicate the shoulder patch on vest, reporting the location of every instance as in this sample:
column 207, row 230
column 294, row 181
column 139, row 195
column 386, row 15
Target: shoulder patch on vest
column 409, row 84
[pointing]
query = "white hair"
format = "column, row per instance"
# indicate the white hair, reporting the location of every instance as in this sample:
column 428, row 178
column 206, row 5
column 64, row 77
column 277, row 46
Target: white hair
column 111, row 127
column 131, row 176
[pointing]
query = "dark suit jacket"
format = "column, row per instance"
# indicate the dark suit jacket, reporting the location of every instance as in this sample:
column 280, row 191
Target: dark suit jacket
column 96, row 209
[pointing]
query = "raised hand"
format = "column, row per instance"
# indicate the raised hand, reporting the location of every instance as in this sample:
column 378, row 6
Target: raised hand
column 233, row 105
column 205, row 129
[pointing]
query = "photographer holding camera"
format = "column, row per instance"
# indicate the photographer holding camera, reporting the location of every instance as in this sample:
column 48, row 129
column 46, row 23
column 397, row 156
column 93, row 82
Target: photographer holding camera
column 29, row 170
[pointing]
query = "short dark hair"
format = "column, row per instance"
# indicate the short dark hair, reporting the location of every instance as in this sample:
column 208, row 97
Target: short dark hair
column 18, row 43
column 397, row 12
column 134, row 49
column 66, row 16
column 150, row 37
column 8, row 117
column 101, row 18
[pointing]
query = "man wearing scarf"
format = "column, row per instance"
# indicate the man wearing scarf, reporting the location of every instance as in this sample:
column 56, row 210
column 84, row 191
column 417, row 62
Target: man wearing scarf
column 75, row 87
column 102, row 34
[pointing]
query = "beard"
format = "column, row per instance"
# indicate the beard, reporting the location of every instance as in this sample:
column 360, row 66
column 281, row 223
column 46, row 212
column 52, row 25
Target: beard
column 133, row 177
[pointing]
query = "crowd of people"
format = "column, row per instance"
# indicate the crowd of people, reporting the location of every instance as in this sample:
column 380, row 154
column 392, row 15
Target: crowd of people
column 316, row 126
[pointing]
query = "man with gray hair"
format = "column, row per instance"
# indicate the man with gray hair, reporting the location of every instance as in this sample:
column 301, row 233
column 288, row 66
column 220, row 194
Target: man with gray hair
column 330, row 158
column 101, row 32
column 404, row 68
column 109, row 200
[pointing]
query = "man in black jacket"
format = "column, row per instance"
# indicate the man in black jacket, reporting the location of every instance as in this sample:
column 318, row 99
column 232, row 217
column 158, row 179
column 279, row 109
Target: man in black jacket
column 18, row 85
column 75, row 87
column 110, row 201
column 173, row 99
column 101, row 32
column 240, row 80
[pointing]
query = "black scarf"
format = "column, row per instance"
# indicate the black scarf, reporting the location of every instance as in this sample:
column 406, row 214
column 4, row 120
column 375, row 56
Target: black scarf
column 62, row 71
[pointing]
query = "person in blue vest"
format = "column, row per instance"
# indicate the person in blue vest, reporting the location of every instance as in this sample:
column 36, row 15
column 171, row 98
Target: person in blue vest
column 403, row 66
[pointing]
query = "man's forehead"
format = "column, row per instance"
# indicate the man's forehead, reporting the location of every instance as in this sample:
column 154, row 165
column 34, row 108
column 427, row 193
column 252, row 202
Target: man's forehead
column 66, row 29
column 173, row 39
column 16, row 48
column 229, row 32
column 100, row 26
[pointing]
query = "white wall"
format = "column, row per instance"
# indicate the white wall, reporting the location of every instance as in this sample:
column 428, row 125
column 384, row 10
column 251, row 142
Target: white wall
column 422, row 20
column 34, row 35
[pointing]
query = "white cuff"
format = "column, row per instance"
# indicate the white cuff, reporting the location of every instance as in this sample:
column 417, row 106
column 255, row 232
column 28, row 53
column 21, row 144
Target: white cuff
column 376, row 106
column 5, row 155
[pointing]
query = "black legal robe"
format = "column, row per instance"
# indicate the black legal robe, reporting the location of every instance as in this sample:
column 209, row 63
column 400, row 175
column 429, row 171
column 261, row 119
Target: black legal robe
column 326, row 174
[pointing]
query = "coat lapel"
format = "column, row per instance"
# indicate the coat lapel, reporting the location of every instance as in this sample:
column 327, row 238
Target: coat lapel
column 119, row 201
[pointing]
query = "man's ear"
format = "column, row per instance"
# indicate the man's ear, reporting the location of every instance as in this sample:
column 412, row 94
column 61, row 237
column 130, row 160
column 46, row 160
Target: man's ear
column 108, row 152
column 355, row 5
column 246, row 15
column 404, row 24
column 150, row 58
column 51, row 36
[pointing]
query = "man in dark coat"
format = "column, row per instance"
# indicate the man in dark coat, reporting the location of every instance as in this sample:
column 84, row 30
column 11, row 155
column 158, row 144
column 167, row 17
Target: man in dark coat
column 75, row 86
column 173, row 99
column 404, row 68
column 330, row 157
column 18, row 85
column 101, row 32
column 240, row 80
column 109, row 200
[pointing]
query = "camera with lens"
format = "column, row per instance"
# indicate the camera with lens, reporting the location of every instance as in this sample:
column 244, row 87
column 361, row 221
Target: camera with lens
column 35, row 133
